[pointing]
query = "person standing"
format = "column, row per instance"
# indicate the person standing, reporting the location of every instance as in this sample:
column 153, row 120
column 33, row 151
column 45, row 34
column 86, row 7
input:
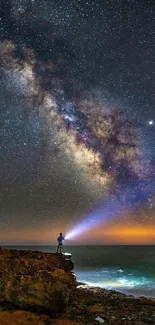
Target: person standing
column 60, row 243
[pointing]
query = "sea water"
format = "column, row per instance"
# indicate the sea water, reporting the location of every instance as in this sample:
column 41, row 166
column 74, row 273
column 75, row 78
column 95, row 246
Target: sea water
column 128, row 269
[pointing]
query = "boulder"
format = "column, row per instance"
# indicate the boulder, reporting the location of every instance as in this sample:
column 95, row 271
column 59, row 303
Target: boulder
column 36, row 281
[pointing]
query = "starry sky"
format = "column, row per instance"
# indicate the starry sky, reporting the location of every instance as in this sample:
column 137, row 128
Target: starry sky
column 77, row 115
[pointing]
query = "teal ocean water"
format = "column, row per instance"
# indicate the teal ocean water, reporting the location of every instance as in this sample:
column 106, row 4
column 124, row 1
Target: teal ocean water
column 129, row 269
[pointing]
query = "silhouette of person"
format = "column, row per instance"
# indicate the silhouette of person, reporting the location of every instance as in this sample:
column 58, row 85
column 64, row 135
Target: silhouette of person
column 60, row 240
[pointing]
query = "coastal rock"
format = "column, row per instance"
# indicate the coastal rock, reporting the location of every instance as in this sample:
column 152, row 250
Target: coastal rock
column 21, row 317
column 43, row 282
column 36, row 281
column 92, row 304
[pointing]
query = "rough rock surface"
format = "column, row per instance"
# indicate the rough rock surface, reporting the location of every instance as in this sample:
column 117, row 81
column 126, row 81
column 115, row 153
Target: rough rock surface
column 88, row 306
column 36, row 281
column 21, row 317
column 33, row 279
column 111, row 306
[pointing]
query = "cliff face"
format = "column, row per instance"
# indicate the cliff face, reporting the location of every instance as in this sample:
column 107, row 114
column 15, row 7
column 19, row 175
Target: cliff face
column 43, row 282
column 36, row 281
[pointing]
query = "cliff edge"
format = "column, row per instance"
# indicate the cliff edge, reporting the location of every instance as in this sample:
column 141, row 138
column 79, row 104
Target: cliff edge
column 43, row 287
column 36, row 281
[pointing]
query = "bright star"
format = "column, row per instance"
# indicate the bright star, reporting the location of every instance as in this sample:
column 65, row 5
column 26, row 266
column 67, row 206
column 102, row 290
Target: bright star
column 151, row 123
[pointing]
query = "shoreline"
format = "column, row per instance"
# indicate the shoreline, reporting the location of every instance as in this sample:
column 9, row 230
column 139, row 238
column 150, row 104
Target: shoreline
column 88, row 284
column 42, row 290
column 88, row 306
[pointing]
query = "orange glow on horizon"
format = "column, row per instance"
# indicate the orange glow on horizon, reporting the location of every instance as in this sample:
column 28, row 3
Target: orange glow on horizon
column 132, row 232
column 121, row 234
column 128, row 235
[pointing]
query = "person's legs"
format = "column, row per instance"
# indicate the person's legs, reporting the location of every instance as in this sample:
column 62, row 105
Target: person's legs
column 58, row 248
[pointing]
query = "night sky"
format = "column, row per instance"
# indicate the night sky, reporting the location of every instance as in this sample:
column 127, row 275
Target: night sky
column 77, row 120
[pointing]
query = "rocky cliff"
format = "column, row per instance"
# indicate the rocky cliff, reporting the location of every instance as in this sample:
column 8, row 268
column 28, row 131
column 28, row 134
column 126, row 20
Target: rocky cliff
column 36, row 281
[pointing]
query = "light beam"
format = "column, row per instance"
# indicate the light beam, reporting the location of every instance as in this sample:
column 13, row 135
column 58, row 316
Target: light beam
column 114, row 206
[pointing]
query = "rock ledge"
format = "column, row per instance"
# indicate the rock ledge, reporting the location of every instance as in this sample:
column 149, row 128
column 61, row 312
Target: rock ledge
column 35, row 280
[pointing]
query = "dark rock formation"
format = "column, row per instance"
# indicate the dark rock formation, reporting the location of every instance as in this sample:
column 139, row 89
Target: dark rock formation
column 36, row 281
column 89, row 306
column 44, row 282
column 21, row 317
column 92, row 304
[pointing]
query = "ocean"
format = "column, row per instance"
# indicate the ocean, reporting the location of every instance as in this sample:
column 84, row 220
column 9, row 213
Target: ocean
column 128, row 269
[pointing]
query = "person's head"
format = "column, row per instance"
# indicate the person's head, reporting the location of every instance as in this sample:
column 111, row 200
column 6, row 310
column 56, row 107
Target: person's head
column 61, row 234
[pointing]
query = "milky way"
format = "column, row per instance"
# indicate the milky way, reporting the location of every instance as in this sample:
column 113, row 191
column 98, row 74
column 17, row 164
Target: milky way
column 99, row 138
column 90, row 130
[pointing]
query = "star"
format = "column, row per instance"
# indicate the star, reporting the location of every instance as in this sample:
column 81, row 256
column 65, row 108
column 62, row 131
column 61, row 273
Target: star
column 151, row 122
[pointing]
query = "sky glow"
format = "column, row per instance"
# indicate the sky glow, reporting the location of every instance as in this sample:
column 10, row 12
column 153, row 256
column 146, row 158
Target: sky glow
column 114, row 207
